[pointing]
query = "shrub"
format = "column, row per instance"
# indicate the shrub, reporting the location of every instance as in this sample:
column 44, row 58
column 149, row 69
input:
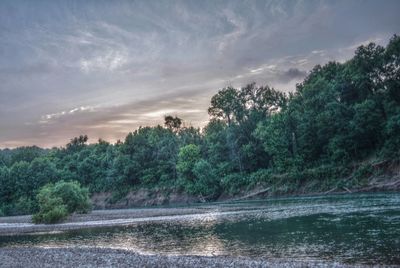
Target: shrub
column 57, row 201
column 75, row 197
column 52, row 211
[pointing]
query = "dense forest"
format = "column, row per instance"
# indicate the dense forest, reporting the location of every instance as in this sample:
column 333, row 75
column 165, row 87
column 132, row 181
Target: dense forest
column 339, row 120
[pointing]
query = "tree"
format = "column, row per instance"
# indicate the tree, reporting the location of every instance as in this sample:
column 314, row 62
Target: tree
column 7, row 187
column 42, row 171
column 340, row 114
column 391, row 146
column 173, row 123
column 226, row 105
column 216, row 148
column 366, row 127
column 261, row 101
column 26, row 153
column 77, row 143
column 153, row 152
column 277, row 140
column 187, row 158
column 206, row 182
column 22, row 177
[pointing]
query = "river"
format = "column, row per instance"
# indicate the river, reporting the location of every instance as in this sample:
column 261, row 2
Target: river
column 352, row 229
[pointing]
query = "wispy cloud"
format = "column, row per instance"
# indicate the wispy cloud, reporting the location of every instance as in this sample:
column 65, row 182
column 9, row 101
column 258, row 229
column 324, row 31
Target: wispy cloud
column 103, row 68
column 50, row 118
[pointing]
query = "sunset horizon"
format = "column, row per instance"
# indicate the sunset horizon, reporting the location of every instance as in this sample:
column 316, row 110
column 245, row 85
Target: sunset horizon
column 104, row 69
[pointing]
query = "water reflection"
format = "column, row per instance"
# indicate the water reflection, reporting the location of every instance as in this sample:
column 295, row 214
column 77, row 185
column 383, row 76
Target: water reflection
column 356, row 229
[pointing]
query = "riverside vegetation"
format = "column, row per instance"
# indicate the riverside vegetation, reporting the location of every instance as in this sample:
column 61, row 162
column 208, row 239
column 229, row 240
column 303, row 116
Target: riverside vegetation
column 342, row 121
column 57, row 201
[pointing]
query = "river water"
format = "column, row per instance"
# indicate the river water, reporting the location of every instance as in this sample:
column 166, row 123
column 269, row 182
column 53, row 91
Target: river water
column 354, row 229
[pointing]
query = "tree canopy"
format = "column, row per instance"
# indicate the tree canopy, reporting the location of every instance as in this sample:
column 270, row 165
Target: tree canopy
column 340, row 115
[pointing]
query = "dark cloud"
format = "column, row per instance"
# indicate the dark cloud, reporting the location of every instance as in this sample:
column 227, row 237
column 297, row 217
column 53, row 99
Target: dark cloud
column 291, row 74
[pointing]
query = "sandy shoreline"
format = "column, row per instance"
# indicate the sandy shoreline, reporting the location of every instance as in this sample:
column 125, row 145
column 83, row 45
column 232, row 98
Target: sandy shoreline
column 101, row 257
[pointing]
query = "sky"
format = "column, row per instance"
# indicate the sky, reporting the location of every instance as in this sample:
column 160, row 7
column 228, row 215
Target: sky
column 104, row 68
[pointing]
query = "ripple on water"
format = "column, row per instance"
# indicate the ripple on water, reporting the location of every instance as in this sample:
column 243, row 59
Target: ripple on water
column 350, row 228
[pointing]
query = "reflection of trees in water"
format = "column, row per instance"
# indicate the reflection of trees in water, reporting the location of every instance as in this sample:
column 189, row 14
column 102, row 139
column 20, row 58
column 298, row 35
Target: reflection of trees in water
column 352, row 237
column 346, row 235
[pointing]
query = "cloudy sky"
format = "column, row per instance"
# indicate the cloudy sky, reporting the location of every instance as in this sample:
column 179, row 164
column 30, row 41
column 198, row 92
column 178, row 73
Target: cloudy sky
column 103, row 68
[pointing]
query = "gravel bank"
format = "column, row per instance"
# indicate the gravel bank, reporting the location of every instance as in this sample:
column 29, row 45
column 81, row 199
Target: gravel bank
column 100, row 257
column 97, row 218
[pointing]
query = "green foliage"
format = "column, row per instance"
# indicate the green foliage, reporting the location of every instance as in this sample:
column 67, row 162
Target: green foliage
column 7, row 185
column 187, row 159
column 226, row 105
column 52, row 212
column 234, row 182
column 173, row 123
column 21, row 177
column 197, row 175
column 363, row 172
column 26, row 154
column 25, row 205
column 73, row 196
column 207, row 182
column 152, row 153
column 77, row 143
column 339, row 116
column 57, row 201
column 366, row 126
column 277, row 140
column 392, row 134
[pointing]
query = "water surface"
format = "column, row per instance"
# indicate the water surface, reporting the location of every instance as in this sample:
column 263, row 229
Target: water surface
column 362, row 229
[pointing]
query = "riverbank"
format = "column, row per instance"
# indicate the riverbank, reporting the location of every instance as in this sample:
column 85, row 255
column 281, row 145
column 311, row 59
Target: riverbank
column 101, row 257
column 160, row 197
column 368, row 176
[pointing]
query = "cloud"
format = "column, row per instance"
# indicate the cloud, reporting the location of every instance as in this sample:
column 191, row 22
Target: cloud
column 292, row 73
column 50, row 118
column 134, row 61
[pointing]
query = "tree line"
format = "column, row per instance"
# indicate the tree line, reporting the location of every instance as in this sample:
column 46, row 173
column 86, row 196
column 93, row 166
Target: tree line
column 339, row 116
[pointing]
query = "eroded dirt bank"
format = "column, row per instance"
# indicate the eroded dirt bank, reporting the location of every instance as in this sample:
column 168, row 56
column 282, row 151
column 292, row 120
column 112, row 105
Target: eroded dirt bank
column 151, row 198
column 143, row 198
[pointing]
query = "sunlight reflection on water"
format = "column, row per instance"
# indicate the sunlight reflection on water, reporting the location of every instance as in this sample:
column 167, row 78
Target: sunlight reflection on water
column 356, row 229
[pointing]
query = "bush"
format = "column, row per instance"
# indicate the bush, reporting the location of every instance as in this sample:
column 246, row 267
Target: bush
column 52, row 211
column 75, row 197
column 57, row 201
